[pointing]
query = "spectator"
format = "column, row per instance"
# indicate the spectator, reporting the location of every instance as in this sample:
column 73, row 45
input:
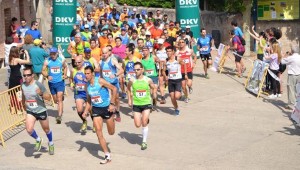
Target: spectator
column 89, row 7
column 86, row 33
column 134, row 38
column 78, row 16
column 169, row 39
column 13, row 29
column 124, row 36
column 158, row 15
column 33, row 31
column 172, row 30
column 90, row 21
column 120, row 48
column 188, row 31
column 114, row 14
column 237, row 31
column 165, row 19
column 292, row 60
column 155, row 31
column 28, row 42
column 133, row 18
column 124, row 14
column 21, row 30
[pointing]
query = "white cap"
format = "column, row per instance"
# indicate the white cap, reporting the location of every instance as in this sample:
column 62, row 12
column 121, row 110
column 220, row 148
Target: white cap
column 134, row 9
column 86, row 26
column 188, row 26
column 148, row 33
column 160, row 41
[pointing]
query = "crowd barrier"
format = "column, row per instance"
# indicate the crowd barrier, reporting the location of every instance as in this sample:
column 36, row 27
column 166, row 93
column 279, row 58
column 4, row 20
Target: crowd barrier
column 12, row 112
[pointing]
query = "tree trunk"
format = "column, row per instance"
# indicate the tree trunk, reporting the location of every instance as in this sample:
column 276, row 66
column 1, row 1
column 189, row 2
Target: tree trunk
column 247, row 20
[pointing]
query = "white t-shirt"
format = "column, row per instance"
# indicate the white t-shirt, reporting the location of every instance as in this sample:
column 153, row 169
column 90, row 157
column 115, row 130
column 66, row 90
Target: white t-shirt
column 7, row 48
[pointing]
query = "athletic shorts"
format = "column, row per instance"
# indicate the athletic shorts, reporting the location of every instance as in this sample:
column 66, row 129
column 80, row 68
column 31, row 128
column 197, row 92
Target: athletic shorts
column 154, row 79
column 205, row 57
column 117, row 85
column 141, row 108
column 174, row 85
column 238, row 58
column 189, row 74
column 80, row 96
column 101, row 112
column 56, row 87
column 39, row 116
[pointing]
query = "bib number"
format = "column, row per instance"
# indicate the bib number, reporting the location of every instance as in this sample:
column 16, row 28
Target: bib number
column 131, row 75
column 140, row 93
column 96, row 100
column 149, row 72
column 32, row 104
column 106, row 73
column 186, row 61
column 80, row 87
column 55, row 70
column 172, row 74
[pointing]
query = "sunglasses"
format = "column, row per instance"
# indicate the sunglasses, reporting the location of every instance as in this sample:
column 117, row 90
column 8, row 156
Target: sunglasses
column 27, row 75
column 137, row 69
column 78, row 62
column 181, row 42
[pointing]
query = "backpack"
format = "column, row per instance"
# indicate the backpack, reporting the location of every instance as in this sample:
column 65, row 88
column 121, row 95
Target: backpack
column 243, row 42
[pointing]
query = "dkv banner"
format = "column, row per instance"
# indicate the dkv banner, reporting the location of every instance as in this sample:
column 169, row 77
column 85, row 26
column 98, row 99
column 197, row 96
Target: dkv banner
column 63, row 19
column 188, row 14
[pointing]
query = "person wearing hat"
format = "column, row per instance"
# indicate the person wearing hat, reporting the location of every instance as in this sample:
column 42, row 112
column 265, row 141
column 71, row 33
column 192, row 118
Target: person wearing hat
column 172, row 30
column 37, row 56
column 55, row 69
column 124, row 36
column 86, row 33
column 90, row 61
column 133, row 18
column 149, row 42
column 185, row 37
column 188, row 31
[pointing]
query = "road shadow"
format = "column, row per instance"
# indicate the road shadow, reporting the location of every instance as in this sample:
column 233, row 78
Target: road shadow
column 199, row 75
column 167, row 110
column 92, row 148
column 291, row 131
column 75, row 126
column 127, row 111
column 52, row 113
column 279, row 104
column 131, row 138
column 29, row 150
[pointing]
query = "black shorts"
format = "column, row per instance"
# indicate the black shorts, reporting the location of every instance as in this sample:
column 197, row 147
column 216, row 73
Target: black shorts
column 282, row 68
column 39, row 116
column 174, row 85
column 238, row 58
column 102, row 112
column 140, row 109
column 189, row 74
column 205, row 57
column 260, row 57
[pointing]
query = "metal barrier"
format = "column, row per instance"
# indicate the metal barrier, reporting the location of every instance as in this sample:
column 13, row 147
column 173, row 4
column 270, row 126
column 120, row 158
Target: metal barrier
column 12, row 112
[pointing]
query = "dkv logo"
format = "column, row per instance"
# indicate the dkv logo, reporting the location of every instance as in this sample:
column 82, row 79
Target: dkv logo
column 64, row 19
column 62, row 39
column 188, row 2
column 66, row 1
column 189, row 21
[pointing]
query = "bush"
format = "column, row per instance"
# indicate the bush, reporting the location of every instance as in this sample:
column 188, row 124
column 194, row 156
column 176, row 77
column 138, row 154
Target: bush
column 152, row 3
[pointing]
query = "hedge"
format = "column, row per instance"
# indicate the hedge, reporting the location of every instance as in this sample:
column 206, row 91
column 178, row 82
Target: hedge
column 151, row 3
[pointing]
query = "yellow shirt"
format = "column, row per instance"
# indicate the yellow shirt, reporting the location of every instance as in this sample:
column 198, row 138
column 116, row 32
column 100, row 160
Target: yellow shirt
column 96, row 53
column 172, row 33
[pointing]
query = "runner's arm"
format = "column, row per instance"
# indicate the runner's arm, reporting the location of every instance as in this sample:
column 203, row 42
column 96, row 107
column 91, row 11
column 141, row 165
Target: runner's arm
column 41, row 90
column 23, row 100
column 87, row 105
column 119, row 67
column 65, row 67
column 44, row 70
column 151, row 84
column 184, row 65
column 96, row 64
column 129, row 93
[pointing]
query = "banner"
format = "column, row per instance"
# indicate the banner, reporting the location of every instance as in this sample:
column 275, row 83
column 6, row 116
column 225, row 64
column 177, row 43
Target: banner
column 188, row 14
column 63, row 19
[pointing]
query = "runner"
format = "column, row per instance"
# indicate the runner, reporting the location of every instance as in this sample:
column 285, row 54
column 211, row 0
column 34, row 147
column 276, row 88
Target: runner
column 204, row 45
column 102, row 106
column 175, row 77
column 186, row 54
column 129, row 63
column 140, row 101
column 110, row 70
column 161, row 66
column 32, row 98
column 149, row 65
column 78, row 83
column 52, row 69
column 90, row 61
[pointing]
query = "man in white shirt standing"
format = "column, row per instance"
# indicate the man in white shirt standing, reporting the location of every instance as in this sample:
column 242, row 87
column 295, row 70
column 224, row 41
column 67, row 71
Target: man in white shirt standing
column 292, row 61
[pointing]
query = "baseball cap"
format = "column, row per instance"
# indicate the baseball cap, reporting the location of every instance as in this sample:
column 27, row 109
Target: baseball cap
column 144, row 12
column 86, row 26
column 123, row 29
column 37, row 42
column 87, row 50
column 53, row 50
column 182, row 31
column 160, row 41
column 188, row 26
column 148, row 33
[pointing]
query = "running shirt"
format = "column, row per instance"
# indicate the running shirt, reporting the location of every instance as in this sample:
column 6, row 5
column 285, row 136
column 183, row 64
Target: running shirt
column 174, row 69
column 89, row 62
column 149, row 44
column 186, row 57
column 204, row 43
column 108, row 69
column 141, row 91
column 99, row 95
column 125, row 39
column 129, row 68
column 33, row 101
column 79, row 82
column 55, row 69
column 149, row 67
column 162, row 56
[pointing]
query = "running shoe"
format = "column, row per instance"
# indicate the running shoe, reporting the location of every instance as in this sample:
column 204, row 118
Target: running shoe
column 272, row 96
column 106, row 160
column 177, row 112
column 51, row 149
column 206, row 76
column 118, row 116
column 83, row 126
column 163, row 100
column 38, row 145
column 186, row 100
column 279, row 95
column 190, row 90
column 58, row 119
column 144, row 146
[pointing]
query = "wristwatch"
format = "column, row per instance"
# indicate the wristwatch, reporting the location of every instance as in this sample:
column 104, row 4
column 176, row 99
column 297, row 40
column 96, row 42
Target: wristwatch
column 113, row 104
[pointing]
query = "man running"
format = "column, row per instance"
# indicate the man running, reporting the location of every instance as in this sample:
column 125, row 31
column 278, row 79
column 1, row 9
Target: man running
column 129, row 63
column 52, row 69
column 186, row 54
column 32, row 98
column 204, row 47
column 149, row 65
column 78, row 83
column 175, row 77
column 102, row 107
column 140, row 100
column 110, row 70
column 90, row 61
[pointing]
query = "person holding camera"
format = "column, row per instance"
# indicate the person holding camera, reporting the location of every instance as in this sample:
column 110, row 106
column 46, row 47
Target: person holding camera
column 15, row 63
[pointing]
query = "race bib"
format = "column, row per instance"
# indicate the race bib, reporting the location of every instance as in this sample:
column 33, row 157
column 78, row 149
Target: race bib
column 55, row 70
column 140, row 93
column 149, row 72
column 80, row 87
column 32, row 104
column 131, row 75
column 106, row 73
column 96, row 100
column 186, row 61
column 173, row 74
column 205, row 48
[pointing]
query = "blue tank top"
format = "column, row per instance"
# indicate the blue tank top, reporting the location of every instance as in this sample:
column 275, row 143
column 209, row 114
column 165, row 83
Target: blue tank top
column 129, row 69
column 125, row 39
column 79, row 82
column 204, row 43
column 108, row 69
column 99, row 95
column 55, row 69
column 88, row 63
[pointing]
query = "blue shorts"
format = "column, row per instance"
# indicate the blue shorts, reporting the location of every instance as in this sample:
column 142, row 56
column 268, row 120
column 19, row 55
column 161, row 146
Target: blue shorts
column 80, row 96
column 154, row 79
column 117, row 85
column 56, row 87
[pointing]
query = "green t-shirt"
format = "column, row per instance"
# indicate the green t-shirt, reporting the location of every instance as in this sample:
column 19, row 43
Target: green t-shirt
column 141, row 91
column 260, row 50
column 80, row 47
column 149, row 67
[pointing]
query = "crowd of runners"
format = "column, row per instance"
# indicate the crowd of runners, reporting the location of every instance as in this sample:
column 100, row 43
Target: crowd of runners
column 122, row 55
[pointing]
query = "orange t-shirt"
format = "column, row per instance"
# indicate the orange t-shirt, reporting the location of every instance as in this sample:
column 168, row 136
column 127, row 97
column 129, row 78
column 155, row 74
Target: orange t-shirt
column 103, row 40
column 96, row 53
column 155, row 33
column 113, row 44
column 122, row 17
column 137, row 54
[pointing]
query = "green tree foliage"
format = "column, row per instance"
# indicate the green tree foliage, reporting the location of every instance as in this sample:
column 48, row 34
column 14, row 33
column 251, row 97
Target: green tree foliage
column 149, row 3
